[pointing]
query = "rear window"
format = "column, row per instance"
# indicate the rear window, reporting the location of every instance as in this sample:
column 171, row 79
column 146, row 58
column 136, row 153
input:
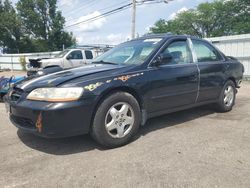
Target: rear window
column 88, row 54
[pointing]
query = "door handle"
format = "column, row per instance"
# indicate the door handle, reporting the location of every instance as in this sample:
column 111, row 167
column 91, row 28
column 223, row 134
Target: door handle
column 194, row 77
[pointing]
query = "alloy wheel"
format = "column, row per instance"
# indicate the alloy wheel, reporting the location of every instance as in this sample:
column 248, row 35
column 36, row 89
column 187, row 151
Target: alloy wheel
column 119, row 120
column 229, row 95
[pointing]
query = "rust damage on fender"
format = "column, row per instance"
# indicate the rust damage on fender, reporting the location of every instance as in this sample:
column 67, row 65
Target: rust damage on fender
column 92, row 87
column 127, row 77
column 39, row 123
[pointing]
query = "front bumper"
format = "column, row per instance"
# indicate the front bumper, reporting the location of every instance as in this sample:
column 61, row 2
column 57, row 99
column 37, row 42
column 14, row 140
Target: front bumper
column 48, row 119
column 32, row 71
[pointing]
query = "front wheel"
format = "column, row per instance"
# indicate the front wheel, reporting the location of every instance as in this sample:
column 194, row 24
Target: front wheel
column 116, row 121
column 227, row 97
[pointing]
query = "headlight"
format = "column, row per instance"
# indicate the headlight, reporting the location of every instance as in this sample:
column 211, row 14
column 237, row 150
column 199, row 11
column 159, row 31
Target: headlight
column 56, row 94
column 40, row 73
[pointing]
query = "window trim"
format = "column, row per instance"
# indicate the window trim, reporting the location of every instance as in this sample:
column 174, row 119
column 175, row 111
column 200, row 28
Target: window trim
column 165, row 45
column 218, row 54
column 75, row 51
column 88, row 52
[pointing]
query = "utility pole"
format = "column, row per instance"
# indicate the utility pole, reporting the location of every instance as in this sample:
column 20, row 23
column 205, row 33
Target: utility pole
column 133, row 19
column 134, row 13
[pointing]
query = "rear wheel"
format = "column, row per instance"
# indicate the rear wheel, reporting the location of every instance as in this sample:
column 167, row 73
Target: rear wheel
column 227, row 97
column 116, row 121
column 1, row 97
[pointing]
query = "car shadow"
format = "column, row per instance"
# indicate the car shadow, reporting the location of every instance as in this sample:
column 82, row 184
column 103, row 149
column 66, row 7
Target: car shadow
column 59, row 146
column 175, row 118
column 84, row 143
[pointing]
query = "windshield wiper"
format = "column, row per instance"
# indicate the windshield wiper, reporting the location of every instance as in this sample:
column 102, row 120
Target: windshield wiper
column 104, row 62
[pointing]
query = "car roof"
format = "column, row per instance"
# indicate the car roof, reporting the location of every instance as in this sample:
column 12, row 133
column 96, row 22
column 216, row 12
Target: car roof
column 164, row 36
column 77, row 49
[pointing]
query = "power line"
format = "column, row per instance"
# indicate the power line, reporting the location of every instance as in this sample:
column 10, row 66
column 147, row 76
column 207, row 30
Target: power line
column 102, row 15
column 106, row 8
column 111, row 6
column 98, row 17
column 134, row 11
column 85, row 6
column 66, row 3
column 116, row 10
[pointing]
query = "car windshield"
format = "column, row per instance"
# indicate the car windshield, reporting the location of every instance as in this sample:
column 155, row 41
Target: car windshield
column 62, row 54
column 132, row 52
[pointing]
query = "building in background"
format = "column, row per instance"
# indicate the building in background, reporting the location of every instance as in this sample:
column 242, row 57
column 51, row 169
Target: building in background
column 237, row 46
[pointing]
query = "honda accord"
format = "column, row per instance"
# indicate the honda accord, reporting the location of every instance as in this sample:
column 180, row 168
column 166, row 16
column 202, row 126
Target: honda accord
column 112, row 97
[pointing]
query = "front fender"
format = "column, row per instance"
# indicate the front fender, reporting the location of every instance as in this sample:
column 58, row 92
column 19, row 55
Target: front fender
column 51, row 64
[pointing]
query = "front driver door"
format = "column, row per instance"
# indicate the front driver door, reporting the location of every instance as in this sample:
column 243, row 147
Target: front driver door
column 74, row 59
column 173, row 83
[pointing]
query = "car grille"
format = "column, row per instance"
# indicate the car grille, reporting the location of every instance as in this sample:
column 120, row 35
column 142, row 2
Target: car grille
column 16, row 94
column 35, row 63
column 23, row 122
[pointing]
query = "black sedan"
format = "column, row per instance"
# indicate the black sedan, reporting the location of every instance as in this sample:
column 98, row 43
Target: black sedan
column 121, row 89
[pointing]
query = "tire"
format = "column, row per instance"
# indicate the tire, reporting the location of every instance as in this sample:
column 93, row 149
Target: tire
column 225, row 105
column 116, row 120
column 1, row 97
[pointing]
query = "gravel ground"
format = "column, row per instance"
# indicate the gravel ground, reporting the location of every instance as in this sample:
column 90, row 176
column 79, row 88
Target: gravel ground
column 11, row 73
column 191, row 148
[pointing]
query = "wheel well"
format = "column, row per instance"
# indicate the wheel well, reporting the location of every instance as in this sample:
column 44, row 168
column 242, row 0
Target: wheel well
column 232, row 79
column 114, row 90
column 119, row 89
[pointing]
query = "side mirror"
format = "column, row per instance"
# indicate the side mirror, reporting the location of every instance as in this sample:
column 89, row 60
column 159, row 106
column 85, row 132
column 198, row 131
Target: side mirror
column 163, row 58
column 69, row 57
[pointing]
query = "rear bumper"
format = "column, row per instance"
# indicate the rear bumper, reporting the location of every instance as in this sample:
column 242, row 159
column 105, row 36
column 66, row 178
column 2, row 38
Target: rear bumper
column 56, row 119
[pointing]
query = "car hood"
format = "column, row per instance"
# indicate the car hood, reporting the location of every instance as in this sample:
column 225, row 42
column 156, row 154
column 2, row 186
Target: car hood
column 50, row 60
column 46, row 62
column 61, row 77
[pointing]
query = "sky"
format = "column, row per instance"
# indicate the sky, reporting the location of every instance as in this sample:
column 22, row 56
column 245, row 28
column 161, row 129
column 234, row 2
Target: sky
column 116, row 28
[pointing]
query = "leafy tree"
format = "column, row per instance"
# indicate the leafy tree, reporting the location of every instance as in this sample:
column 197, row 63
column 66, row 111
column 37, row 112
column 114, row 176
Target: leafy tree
column 218, row 18
column 35, row 26
column 10, row 27
column 43, row 22
column 241, row 22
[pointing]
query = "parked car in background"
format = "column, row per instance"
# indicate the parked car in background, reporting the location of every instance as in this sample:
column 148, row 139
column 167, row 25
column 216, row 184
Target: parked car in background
column 69, row 58
column 137, row 80
column 6, row 83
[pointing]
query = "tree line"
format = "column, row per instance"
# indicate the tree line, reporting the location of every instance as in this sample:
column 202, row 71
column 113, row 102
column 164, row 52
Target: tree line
column 37, row 25
column 33, row 26
column 218, row 18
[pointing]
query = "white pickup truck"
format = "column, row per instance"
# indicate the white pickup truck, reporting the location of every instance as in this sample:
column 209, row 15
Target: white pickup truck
column 68, row 58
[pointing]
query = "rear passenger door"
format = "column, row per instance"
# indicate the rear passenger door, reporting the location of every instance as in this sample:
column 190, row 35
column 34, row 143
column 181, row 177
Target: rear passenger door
column 210, row 64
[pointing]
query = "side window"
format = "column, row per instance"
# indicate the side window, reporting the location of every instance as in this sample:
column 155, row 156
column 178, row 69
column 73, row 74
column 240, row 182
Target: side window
column 88, row 54
column 205, row 52
column 75, row 55
column 178, row 52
